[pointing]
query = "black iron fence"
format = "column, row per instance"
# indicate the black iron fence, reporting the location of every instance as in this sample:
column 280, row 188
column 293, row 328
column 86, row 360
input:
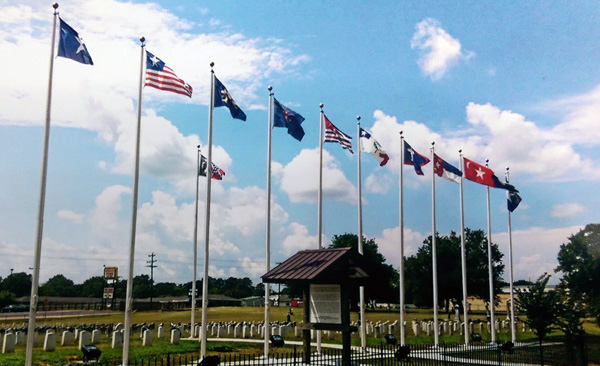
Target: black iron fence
column 501, row 354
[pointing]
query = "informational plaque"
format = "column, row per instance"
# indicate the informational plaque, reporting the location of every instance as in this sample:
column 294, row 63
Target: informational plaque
column 111, row 273
column 108, row 292
column 325, row 304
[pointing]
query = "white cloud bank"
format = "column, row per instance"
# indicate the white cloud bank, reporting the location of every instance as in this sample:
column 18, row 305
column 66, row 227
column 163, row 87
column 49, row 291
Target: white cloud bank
column 567, row 210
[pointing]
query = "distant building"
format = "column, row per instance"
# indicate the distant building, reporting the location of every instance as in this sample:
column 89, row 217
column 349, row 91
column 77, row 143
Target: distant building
column 253, row 301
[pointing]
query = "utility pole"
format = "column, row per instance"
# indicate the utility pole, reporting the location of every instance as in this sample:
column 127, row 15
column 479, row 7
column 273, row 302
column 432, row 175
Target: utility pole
column 152, row 266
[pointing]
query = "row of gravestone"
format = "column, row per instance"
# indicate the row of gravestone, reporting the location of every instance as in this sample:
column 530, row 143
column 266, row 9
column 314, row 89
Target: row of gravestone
column 454, row 327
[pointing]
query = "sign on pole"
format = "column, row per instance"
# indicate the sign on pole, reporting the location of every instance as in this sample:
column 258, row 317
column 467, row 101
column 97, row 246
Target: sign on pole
column 108, row 292
column 111, row 273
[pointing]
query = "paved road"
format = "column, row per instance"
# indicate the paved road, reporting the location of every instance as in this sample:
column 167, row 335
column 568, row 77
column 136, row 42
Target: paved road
column 52, row 314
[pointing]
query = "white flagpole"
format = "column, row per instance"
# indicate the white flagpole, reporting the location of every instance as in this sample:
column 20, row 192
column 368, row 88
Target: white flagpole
column 320, row 204
column 207, row 214
column 513, row 324
column 463, row 252
column 436, row 332
column 363, row 329
column 268, row 241
column 193, row 318
column 490, row 271
column 402, row 331
column 40, row 226
column 136, row 180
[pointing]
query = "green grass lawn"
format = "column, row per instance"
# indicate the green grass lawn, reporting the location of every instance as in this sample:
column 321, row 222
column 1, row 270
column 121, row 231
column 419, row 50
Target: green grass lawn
column 238, row 314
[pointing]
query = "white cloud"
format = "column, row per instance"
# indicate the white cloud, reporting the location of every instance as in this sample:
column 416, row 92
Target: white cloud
column 300, row 239
column 70, row 216
column 104, row 218
column 253, row 268
column 439, row 50
column 389, row 243
column 567, row 210
column 300, row 178
column 534, row 250
column 532, row 150
column 378, row 183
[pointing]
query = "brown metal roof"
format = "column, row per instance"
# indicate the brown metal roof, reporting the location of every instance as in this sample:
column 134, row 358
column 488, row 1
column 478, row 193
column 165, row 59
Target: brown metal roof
column 318, row 265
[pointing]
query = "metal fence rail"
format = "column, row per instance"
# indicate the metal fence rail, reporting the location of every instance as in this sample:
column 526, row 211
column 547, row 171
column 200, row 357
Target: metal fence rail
column 500, row 354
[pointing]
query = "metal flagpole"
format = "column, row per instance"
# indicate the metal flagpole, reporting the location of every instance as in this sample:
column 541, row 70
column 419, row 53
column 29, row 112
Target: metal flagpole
column 402, row 330
column 193, row 318
column 490, row 271
column 363, row 329
column 513, row 324
column 207, row 214
column 268, row 241
column 320, row 203
column 436, row 331
column 40, row 226
column 136, row 179
column 463, row 251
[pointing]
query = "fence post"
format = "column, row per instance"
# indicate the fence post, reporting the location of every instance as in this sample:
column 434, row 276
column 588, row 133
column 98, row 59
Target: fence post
column 294, row 355
column 168, row 359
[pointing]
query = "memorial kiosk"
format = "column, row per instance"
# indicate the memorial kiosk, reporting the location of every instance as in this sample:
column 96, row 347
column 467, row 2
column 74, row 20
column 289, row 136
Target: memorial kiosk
column 327, row 277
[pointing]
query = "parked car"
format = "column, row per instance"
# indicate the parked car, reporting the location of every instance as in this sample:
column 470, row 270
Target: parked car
column 14, row 308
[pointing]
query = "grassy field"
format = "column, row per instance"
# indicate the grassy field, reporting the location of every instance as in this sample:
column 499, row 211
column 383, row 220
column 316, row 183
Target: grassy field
column 237, row 314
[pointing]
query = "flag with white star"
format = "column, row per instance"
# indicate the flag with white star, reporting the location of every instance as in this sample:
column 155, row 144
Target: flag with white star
column 484, row 175
column 412, row 157
column 70, row 45
column 161, row 76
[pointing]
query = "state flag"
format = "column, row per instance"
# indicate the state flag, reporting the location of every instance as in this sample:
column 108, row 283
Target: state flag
column 412, row 157
column 334, row 134
column 484, row 175
column 285, row 117
column 70, row 45
column 217, row 173
column 446, row 170
column 370, row 145
column 224, row 99
column 512, row 200
column 160, row 76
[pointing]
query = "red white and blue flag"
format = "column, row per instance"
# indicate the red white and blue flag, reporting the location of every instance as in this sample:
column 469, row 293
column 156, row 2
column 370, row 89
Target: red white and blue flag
column 446, row 170
column 411, row 157
column 333, row 134
column 217, row 173
column 160, row 76
column 368, row 144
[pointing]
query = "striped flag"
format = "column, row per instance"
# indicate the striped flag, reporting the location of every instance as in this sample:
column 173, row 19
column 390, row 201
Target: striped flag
column 333, row 134
column 217, row 173
column 161, row 76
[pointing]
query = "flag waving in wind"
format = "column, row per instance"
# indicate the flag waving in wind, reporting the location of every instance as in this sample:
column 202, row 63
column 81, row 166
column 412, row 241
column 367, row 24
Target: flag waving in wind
column 411, row 157
column 285, row 117
column 446, row 170
column 71, row 45
column 217, row 173
column 369, row 144
column 512, row 200
column 160, row 76
column 484, row 175
column 333, row 134
column 224, row 99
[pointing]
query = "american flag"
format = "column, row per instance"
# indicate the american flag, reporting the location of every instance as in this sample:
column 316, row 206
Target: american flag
column 161, row 76
column 333, row 134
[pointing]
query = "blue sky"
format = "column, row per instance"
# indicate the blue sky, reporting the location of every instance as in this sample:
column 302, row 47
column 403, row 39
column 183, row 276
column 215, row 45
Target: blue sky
column 515, row 83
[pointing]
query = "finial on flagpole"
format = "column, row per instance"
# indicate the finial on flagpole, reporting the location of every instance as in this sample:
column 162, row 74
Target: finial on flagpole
column 55, row 6
column 321, row 106
column 142, row 40
column 358, row 120
column 198, row 147
column 401, row 132
column 487, row 161
column 432, row 143
column 212, row 64
column 460, row 151
column 270, row 88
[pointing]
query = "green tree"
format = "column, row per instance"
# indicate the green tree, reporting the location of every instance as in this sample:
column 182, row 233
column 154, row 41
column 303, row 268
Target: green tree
column 539, row 306
column 141, row 287
column 17, row 283
column 579, row 262
column 383, row 285
column 59, row 286
column 92, row 287
column 419, row 277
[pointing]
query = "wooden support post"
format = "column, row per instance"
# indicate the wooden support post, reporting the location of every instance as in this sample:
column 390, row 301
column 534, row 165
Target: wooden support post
column 306, row 320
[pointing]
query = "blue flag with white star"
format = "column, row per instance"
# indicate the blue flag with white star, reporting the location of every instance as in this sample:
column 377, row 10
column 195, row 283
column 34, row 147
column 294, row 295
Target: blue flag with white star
column 224, row 99
column 70, row 45
column 411, row 157
column 285, row 117
column 512, row 200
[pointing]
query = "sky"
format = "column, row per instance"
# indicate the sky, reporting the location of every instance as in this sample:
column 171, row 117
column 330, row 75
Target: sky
column 512, row 82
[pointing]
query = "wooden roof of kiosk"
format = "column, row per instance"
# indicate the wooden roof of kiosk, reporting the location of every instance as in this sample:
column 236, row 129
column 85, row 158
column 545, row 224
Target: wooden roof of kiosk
column 338, row 265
